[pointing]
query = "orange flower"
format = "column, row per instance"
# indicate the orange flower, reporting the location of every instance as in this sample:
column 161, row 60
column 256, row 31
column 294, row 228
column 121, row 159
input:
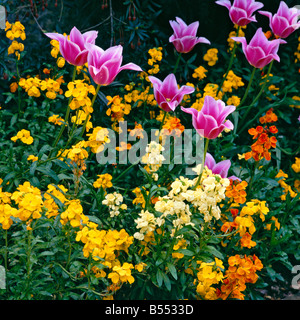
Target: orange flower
column 236, row 191
column 241, row 270
column 247, row 242
column 269, row 117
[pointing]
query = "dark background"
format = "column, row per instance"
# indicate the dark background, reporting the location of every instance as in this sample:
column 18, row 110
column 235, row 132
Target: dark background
column 138, row 31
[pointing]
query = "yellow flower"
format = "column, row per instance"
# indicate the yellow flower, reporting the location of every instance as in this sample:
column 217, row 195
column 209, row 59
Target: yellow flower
column 199, row 73
column 24, row 136
column 56, row 119
column 60, row 62
column 104, row 181
column 211, row 56
column 32, row 158
column 296, row 165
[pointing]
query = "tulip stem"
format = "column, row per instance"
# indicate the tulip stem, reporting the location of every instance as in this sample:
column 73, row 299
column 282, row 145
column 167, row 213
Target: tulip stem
column 163, row 120
column 88, row 114
column 66, row 118
column 258, row 96
column 230, row 62
column 202, row 165
column 177, row 63
column 248, row 87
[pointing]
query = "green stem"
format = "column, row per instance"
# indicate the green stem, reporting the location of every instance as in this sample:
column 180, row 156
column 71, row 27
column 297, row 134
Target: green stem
column 177, row 63
column 28, row 262
column 6, row 252
column 114, row 180
column 248, row 87
column 252, row 177
column 202, row 166
column 163, row 120
column 66, row 117
column 19, row 95
column 258, row 96
column 230, row 62
column 87, row 116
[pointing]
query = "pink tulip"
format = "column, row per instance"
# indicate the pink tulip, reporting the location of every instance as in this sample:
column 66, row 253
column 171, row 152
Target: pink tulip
column 285, row 21
column 184, row 37
column 167, row 94
column 260, row 51
column 210, row 121
column 241, row 11
column 104, row 66
column 220, row 168
column 73, row 49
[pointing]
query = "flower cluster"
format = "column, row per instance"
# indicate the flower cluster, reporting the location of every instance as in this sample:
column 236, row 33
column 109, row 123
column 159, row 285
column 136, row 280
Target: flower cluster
column 55, row 196
column 56, row 119
column 103, row 181
column 232, row 81
column 33, row 85
column 204, row 198
column 260, row 148
column 114, row 201
column 199, row 73
column 146, row 223
column 24, row 136
column 153, row 157
column 55, row 52
column 97, row 139
column 14, row 31
column 236, row 191
column 73, row 214
column 29, row 201
column 139, row 199
column 79, row 90
column 6, row 211
column 241, row 270
column 211, row 56
column 209, row 274
column 287, row 189
column 117, row 109
column 156, row 56
column 106, row 246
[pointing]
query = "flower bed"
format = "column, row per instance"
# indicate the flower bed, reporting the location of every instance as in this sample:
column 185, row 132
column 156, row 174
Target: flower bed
column 97, row 201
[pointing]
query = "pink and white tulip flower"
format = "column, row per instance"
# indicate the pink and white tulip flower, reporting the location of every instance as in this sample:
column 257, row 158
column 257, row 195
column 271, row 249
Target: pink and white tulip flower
column 184, row 38
column 167, row 94
column 104, row 66
column 211, row 120
column 220, row 168
column 73, row 49
column 285, row 21
column 241, row 11
column 260, row 51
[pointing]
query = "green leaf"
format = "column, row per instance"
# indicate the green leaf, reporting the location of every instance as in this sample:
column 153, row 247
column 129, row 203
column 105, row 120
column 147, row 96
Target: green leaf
column 172, row 270
column 167, row 282
column 213, row 251
column 186, row 252
column 159, row 277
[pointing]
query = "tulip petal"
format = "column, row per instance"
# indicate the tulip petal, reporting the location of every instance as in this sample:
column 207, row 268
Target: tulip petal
column 130, row 66
column 76, row 37
column 224, row 3
column 222, row 168
column 90, row 36
column 209, row 161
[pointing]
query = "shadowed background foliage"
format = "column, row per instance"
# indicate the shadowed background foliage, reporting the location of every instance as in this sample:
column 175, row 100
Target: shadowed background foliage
column 136, row 24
